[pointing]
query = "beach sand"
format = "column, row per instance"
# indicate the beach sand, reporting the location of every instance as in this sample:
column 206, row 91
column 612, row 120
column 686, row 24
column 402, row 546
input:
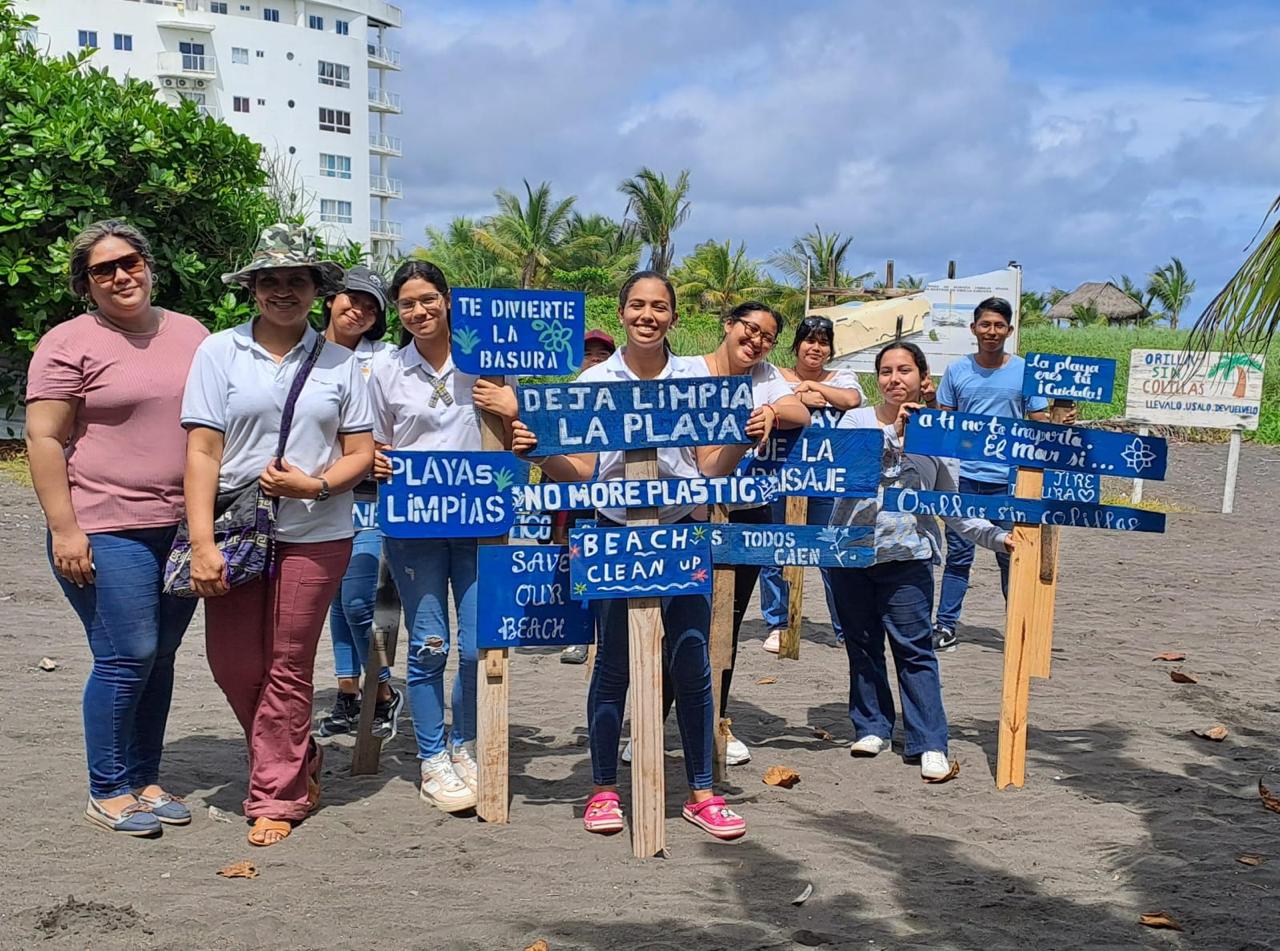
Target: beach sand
column 1124, row 811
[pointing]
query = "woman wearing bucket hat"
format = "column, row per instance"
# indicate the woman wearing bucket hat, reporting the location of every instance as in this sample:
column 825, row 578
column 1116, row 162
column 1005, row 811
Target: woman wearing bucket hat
column 356, row 318
column 262, row 635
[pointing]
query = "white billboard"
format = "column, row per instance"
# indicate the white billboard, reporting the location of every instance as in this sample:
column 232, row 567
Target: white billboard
column 1177, row 388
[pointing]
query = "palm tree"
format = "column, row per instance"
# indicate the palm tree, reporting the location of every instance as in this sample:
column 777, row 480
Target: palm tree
column 1247, row 309
column 719, row 277
column 1242, row 363
column 911, row 282
column 1033, row 308
column 596, row 254
column 654, row 210
column 818, row 258
column 1171, row 286
column 527, row 236
column 465, row 262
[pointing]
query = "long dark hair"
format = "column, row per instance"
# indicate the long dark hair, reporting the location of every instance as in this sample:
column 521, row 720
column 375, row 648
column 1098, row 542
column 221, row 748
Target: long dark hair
column 376, row 331
column 426, row 271
column 917, row 355
column 754, row 307
column 639, row 276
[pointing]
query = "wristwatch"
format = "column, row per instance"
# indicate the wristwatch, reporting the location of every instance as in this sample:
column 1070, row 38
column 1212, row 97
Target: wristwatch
column 324, row 490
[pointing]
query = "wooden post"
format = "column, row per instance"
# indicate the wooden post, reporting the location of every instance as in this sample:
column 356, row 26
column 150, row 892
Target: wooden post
column 1136, row 495
column 382, row 653
column 888, row 273
column 793, row 577
column 1233, row 469
column 721, row 648
column 1047, row 589
column 951, row 270
column 493, row 687
column 644, row 636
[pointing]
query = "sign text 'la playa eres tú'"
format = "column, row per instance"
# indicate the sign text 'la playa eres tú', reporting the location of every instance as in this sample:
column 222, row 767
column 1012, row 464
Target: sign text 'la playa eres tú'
column 1079, row 379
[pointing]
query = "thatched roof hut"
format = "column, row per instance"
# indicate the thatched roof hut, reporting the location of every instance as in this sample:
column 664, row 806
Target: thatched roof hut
column 1104, row 297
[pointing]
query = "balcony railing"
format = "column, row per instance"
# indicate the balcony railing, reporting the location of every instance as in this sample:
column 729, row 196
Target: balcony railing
column 383, row 187
column 380, row 229
column 384, row 144
column 382, row 101
column 186, row 64
column 383, row 57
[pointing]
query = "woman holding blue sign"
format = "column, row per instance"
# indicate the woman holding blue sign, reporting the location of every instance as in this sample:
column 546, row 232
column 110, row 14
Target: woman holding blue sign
column 647, row 311
column 422, row 402
column 894, row 597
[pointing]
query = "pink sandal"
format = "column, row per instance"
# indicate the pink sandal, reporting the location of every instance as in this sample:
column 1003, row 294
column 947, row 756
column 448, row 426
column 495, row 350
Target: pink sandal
column 712, row 815
column 603, row 814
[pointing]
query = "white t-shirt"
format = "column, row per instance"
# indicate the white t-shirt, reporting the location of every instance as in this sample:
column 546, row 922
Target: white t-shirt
column 417, row 408
column 236, row 387
column 367, row 351
column 767, row 384
column 672, row 463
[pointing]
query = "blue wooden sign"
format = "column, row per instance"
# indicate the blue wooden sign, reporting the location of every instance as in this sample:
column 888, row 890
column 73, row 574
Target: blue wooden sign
column 999, row 508
column 640, row 562
column 645, row 493
column 497, row 332
column 812, row 546
column 1081, row 379
column 822, row 462
column 526, row 599
column 449, row 494
column 364, row 514
column 1066, row 486
column 1020, row 442
column 531, row 526
column 637, row 414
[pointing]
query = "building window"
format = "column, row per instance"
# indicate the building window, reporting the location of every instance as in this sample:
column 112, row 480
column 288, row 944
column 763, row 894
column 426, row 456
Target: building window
column 261, row 53
column 240, row 103
column 245, row 8
column 88, row 38
column 262, row 102
column 338, row 212
column 342, row 27
column 315, row 22
column 123, row 41
column 270, row 15
column 335, row 120
column 240, row 54
column 335, row 166
column 335, row 74
column 216, row 6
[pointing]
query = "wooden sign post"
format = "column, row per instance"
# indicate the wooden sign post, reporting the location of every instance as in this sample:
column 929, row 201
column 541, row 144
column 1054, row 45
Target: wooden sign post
column 720, row 646
column 793, row 578
column 493, row 690
column 382, row 653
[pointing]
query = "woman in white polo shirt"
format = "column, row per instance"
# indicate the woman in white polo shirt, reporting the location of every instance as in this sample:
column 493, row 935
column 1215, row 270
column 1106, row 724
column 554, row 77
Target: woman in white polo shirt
column 262, row 635
column 422, row 402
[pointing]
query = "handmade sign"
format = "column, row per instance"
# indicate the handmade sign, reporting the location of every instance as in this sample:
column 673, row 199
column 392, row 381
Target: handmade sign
column 998, row 508
column 364, row 514
column 449, row 494
column 1019, row 442
column 531, row 526
column 640, row 562
column 1067, row 486
column 638, row 414
column 526, row 599
column 1177, row 388
column 813, row 546
column 517, row 332
column 824, row 462
column 648, row 493
column 1079, row 379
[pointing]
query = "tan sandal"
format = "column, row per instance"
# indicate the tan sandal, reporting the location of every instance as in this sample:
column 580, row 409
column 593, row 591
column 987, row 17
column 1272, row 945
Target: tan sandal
column 262, row 827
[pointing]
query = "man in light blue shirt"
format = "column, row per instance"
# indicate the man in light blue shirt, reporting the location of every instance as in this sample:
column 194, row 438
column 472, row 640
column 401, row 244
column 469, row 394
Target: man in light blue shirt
column 988, row 383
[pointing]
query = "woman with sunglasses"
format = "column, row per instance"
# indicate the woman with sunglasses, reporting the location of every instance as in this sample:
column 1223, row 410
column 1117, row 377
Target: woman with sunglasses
column 106, row 448
column 826, row 394
column 421, row 402
column 893, row 598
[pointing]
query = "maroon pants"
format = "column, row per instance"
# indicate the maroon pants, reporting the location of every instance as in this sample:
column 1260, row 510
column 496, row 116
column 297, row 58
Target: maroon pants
column 261, row 643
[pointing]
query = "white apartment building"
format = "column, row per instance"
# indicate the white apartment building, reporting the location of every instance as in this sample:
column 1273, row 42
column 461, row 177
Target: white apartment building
column 304, row 78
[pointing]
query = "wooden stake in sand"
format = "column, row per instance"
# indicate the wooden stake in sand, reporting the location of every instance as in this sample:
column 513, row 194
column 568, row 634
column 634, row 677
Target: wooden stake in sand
column 493, row 688
column 720, row 645
column 382, row 653
column 793, row 577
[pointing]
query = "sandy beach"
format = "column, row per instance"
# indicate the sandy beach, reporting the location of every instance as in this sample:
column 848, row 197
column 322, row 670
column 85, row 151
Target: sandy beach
column 1124, row 811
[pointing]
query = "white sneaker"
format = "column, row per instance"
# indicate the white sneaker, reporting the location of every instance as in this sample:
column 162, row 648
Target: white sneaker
column 444, row 788
column 626, row 752
column 736, row 752
column 868, row 746
column 773, row 643
column 934, row 765
column 463, row 760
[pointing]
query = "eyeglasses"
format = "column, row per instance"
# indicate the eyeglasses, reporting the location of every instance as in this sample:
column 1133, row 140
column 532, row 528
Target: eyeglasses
column 409, row 304
column 105, row 271
column 756, row 332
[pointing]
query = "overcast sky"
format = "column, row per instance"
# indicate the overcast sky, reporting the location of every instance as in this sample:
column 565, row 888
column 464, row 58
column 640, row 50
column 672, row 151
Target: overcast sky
column 1084, row 144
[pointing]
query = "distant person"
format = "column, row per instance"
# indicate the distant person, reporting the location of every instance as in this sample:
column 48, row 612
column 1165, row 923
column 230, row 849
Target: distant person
column 988, row 383
column 356, row 318
column 106, row 449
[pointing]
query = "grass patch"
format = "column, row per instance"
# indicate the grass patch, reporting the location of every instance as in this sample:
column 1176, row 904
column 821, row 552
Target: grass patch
column 14, row 468
column 1147, row 505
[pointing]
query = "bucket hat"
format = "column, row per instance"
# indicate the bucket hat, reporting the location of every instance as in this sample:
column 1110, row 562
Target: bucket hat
column 289, row 245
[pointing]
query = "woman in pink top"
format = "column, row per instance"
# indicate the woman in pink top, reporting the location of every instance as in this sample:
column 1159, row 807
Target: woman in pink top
column 107, row 451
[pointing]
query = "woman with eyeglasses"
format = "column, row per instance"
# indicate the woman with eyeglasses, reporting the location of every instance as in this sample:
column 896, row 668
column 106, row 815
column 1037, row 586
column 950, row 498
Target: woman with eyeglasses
column 826, row 394
column 422, row 402
column 106, row 449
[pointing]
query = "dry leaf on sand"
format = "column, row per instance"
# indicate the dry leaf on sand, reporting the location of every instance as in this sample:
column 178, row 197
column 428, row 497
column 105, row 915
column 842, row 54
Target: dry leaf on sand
column 244, row 869
column 1217, row 733
column 1181, row 677
column 1170, row 656
column 951, row 773
column 1269, row 799
column 1250, row 858
column 783, row 776
column 767, row 680
column 822, row 734
column 1160, row 919
column 539, row 945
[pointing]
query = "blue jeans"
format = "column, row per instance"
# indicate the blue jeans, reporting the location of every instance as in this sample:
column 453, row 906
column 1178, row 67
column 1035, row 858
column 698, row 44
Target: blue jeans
column 134, row 631
column 424, row 568
column 775, row 593
column 687, row 666
column 892, row 598
column 351, row 613
column 955, row 576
